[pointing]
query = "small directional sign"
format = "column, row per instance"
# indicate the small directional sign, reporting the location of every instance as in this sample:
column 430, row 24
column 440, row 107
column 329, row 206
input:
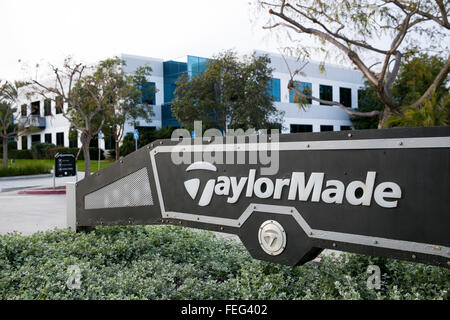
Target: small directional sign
column 136, row 134
column 100, row 135
column 65, row 165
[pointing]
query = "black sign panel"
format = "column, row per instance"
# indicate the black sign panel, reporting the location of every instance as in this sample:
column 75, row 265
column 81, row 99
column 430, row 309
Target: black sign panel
column 65, row 165
column 376, row 192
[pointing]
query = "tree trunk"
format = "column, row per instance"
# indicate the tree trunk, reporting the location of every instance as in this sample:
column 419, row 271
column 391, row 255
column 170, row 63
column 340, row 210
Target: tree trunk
column 86, row 140
column 117, row 149
column 387, row 113
column 5, row 152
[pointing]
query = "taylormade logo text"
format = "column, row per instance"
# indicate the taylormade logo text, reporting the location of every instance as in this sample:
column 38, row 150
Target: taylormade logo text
column 297, row 187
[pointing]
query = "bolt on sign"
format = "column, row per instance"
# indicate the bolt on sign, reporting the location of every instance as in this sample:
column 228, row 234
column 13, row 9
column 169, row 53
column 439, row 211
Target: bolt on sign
column 374, row 192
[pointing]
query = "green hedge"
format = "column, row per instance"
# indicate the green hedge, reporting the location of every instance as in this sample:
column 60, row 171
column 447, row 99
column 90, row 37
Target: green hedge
column 23, row 170
column 19, row 154
column 166, row 262
column 41, row 150
column 48, row 151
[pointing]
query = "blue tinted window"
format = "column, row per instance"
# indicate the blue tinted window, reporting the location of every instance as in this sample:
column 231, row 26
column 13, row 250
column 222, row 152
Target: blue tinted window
column 196, row 65
column 274, row 89
column 172, row 71
column 304, row 87
column 167, row 117
column 149, row 93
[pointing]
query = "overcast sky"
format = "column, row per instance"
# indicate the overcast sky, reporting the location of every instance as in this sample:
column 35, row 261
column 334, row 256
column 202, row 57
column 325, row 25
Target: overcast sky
column 42, row 31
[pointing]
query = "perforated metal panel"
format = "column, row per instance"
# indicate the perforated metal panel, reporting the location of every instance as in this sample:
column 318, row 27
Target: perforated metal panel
column 130, row 191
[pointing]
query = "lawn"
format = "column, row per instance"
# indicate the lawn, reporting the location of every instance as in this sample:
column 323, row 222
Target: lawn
column 31, row 166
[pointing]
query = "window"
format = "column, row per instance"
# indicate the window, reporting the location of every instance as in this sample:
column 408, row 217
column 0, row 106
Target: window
column 345, row 95
column 73, row 138
column 149, row 93
column 47, row 107
column 60, row 139
column 345, row 128
column 304, row 87
column 24, row 142
column 23, row 110
column 196, row 65
column 59, row 105
column 326, row 128
column 48, row 138
column 274, row 89
column 326, row 92
column 36, row 108
column 35, row 138
column 295, row 128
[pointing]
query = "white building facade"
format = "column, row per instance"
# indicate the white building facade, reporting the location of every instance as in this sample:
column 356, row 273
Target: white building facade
column 335, row 82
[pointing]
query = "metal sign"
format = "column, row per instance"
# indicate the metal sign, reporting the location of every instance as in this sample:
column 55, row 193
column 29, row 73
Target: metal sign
column 375, row 192
column 65, row 165
column 136, row 134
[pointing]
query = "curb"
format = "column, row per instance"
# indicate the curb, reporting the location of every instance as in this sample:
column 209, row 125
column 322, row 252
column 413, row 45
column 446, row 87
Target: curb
column 43, row 191
column 34, row 176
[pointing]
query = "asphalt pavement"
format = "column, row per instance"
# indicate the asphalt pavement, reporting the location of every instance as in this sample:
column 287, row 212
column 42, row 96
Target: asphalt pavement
column 35, row 181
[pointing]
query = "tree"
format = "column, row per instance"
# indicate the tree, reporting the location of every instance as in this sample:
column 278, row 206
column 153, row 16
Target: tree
column 415, row 76
column 87, row 92
column 352, row 27
column 433, row 112
column 10, row 126
column 131, row 101
column 231, row 93
column 146, row 137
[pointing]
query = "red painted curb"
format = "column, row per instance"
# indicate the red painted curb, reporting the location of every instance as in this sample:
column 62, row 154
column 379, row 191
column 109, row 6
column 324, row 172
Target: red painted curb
column 43, row 191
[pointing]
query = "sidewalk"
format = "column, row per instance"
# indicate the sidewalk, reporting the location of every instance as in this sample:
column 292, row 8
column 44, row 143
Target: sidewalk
column 30, row 213
column 35, row 181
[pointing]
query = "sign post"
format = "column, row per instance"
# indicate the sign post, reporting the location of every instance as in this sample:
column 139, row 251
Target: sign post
column 136, row 137
column 100, row 136
column 374, row 192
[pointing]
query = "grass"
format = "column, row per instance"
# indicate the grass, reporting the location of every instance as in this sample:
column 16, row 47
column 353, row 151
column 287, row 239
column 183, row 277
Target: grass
column 32, row 166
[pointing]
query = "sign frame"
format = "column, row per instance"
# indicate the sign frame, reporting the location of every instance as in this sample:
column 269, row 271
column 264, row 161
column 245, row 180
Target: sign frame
column 60, row 172
column 304, row 240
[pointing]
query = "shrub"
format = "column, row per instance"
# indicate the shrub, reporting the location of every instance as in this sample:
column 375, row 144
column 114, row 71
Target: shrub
column 20, row 154
column 41, row 150
column 36, row 168
column 166, row 262
column 12, row 145
column 128, row 145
